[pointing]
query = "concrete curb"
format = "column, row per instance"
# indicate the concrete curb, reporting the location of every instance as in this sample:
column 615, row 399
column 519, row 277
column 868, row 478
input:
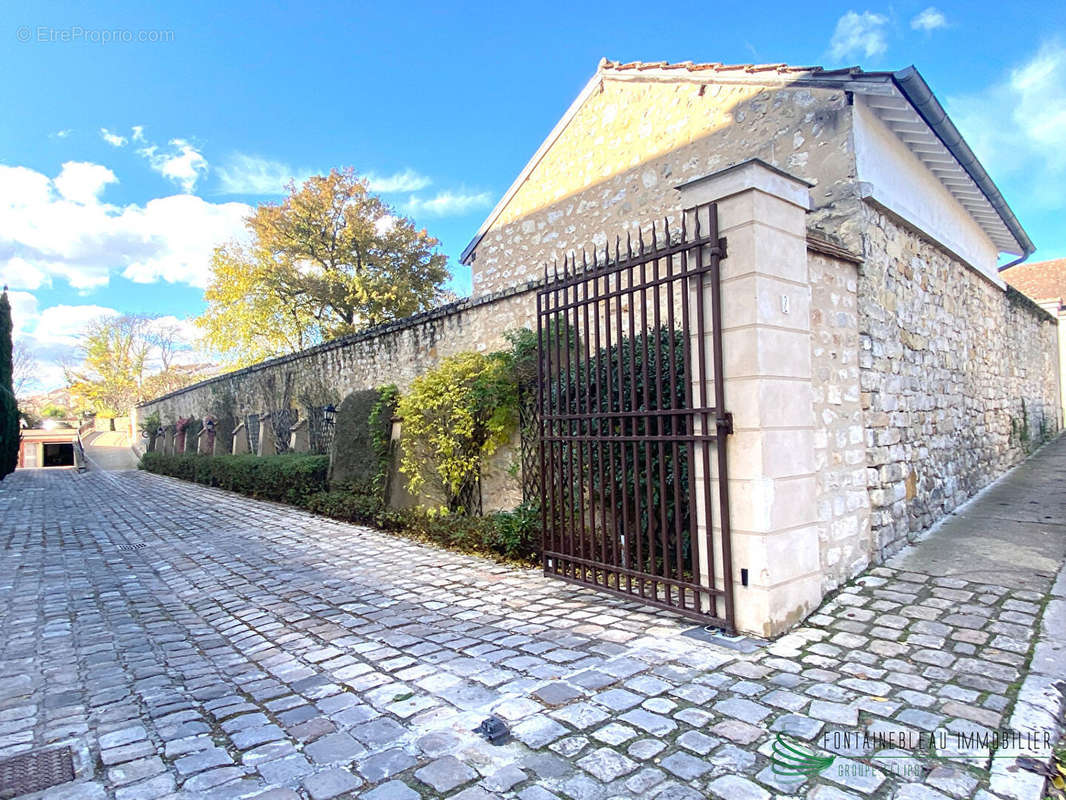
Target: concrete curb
column 1040, row 704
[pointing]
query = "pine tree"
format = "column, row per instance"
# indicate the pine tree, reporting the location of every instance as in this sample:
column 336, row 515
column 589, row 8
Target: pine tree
column 9, row 412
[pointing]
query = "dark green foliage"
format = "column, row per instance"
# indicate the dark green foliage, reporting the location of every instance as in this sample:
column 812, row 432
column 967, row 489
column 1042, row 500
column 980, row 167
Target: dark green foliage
column 623, row 477
column 357, row 439
column 300, row 480
column 192, row 431
column 290, row 478
column 379, row 424
column 514, row 535
column 9, row 413
column 517, row 532
column 351, row 506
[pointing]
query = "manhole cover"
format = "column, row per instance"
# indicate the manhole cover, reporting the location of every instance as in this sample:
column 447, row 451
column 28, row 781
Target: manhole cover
column 128, row 548
column 31, row 772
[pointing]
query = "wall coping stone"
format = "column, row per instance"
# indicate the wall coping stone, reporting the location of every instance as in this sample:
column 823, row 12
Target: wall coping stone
column 394, row 326
column 753, row 173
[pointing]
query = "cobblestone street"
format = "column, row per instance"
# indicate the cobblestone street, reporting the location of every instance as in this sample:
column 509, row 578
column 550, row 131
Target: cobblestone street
column 192, row 643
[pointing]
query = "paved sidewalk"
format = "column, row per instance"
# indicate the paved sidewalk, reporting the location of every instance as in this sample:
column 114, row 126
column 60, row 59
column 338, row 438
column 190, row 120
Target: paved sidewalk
column 192, row 643
column 109, row 450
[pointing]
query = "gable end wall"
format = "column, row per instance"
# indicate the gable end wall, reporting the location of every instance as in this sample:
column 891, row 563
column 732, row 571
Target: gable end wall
column 614, row 167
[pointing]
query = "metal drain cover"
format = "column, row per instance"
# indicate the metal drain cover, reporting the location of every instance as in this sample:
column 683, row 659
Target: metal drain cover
column 129, row 548
column 36, row 770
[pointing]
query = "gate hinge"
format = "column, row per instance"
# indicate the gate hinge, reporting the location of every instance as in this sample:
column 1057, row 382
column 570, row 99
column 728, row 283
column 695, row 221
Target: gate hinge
column 724, row 423
column 722, row 251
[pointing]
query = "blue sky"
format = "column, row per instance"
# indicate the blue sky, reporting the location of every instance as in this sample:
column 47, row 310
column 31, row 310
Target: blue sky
column 123, row 162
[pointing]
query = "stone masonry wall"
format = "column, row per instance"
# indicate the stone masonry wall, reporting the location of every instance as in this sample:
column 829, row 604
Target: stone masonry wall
column 959, row 378
column 615, row 167
column 393, row 353
column 839, row 435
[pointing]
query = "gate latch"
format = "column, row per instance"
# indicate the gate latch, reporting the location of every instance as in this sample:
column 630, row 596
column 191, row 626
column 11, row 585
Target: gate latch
column 724, row 423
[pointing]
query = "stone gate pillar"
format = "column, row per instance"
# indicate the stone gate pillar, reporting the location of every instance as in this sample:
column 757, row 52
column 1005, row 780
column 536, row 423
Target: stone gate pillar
column 765, row 298
column 239, row 441
column 267, row 446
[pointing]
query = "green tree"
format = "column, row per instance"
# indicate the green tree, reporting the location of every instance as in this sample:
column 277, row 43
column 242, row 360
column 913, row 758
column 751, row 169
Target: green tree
column 109, row 378
column 329, row 260
column 9, row 412
column 126, row 359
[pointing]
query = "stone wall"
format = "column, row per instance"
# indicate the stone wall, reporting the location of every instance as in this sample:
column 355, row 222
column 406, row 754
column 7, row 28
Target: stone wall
column 959, row 378
column 614, row 168
column 393, row 353
column 839, row 434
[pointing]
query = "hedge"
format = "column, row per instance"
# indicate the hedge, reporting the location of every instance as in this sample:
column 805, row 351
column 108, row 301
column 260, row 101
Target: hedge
column 513, row 535
column 300, row 480
column 288, row 478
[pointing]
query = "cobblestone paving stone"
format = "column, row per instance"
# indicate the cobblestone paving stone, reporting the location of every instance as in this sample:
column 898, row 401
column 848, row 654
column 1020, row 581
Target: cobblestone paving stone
column 251, row 650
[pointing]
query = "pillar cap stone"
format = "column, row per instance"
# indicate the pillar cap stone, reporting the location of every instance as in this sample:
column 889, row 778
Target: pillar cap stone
column 754, row 173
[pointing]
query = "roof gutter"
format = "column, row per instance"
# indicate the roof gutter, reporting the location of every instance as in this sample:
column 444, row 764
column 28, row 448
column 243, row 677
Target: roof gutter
column 917, row 91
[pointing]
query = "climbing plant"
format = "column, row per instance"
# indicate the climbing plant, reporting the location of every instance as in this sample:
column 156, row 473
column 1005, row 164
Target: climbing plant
column 454, row 417
column 380, row 423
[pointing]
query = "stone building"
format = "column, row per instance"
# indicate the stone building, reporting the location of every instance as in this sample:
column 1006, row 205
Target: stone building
column 877, row 368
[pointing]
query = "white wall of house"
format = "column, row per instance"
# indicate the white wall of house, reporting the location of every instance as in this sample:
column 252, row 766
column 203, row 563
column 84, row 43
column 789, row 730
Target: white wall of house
column 890, row 174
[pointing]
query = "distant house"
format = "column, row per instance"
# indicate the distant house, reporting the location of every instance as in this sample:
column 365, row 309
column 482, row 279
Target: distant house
column 41, row 447
column 1045, row 282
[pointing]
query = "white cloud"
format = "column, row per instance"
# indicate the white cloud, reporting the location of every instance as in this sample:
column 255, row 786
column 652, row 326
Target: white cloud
column 54, row 336
column 256, row 175
column 113, row 139
column 446, row 203
column 1017, row 126
column 63, row 324
column 245, row 174
column 184, row 164
column 184, row 230
column 18, row 273
column 61, row 229
column 137, row 134
column 63, row 134
column 384, row 224
column 859, row 35
column 82, row 182
column 24, row 313
column 406, row 181
column 929, row 20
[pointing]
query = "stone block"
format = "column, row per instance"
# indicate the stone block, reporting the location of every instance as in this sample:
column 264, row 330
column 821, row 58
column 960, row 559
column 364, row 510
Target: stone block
column 240, row 445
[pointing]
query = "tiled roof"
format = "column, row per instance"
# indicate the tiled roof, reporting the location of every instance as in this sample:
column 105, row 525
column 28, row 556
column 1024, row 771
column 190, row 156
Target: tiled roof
column 1040, row 280
column 714, row 66
column 901, row 99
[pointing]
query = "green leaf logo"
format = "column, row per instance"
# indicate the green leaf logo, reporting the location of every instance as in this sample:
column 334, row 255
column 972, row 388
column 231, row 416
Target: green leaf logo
column 791, row 758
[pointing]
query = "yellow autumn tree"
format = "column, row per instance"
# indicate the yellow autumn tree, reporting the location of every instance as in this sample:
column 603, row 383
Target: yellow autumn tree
column 329, row 260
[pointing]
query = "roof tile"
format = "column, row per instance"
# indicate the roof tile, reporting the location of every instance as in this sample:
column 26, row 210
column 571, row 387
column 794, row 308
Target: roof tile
column 620, row 66
column 1040, row 280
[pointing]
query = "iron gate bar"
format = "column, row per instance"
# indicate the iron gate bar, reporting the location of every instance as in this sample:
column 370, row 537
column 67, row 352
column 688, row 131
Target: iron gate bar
column 582, row 426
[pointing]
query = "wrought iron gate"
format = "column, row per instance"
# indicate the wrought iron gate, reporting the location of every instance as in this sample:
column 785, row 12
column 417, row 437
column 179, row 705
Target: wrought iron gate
column 631, row 408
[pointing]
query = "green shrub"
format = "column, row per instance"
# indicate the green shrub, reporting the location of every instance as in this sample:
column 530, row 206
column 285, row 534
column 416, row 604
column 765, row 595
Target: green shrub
column 352, row 506
column 291, row 478
column 300, row 480
column 454, row 417
column 517, row 532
